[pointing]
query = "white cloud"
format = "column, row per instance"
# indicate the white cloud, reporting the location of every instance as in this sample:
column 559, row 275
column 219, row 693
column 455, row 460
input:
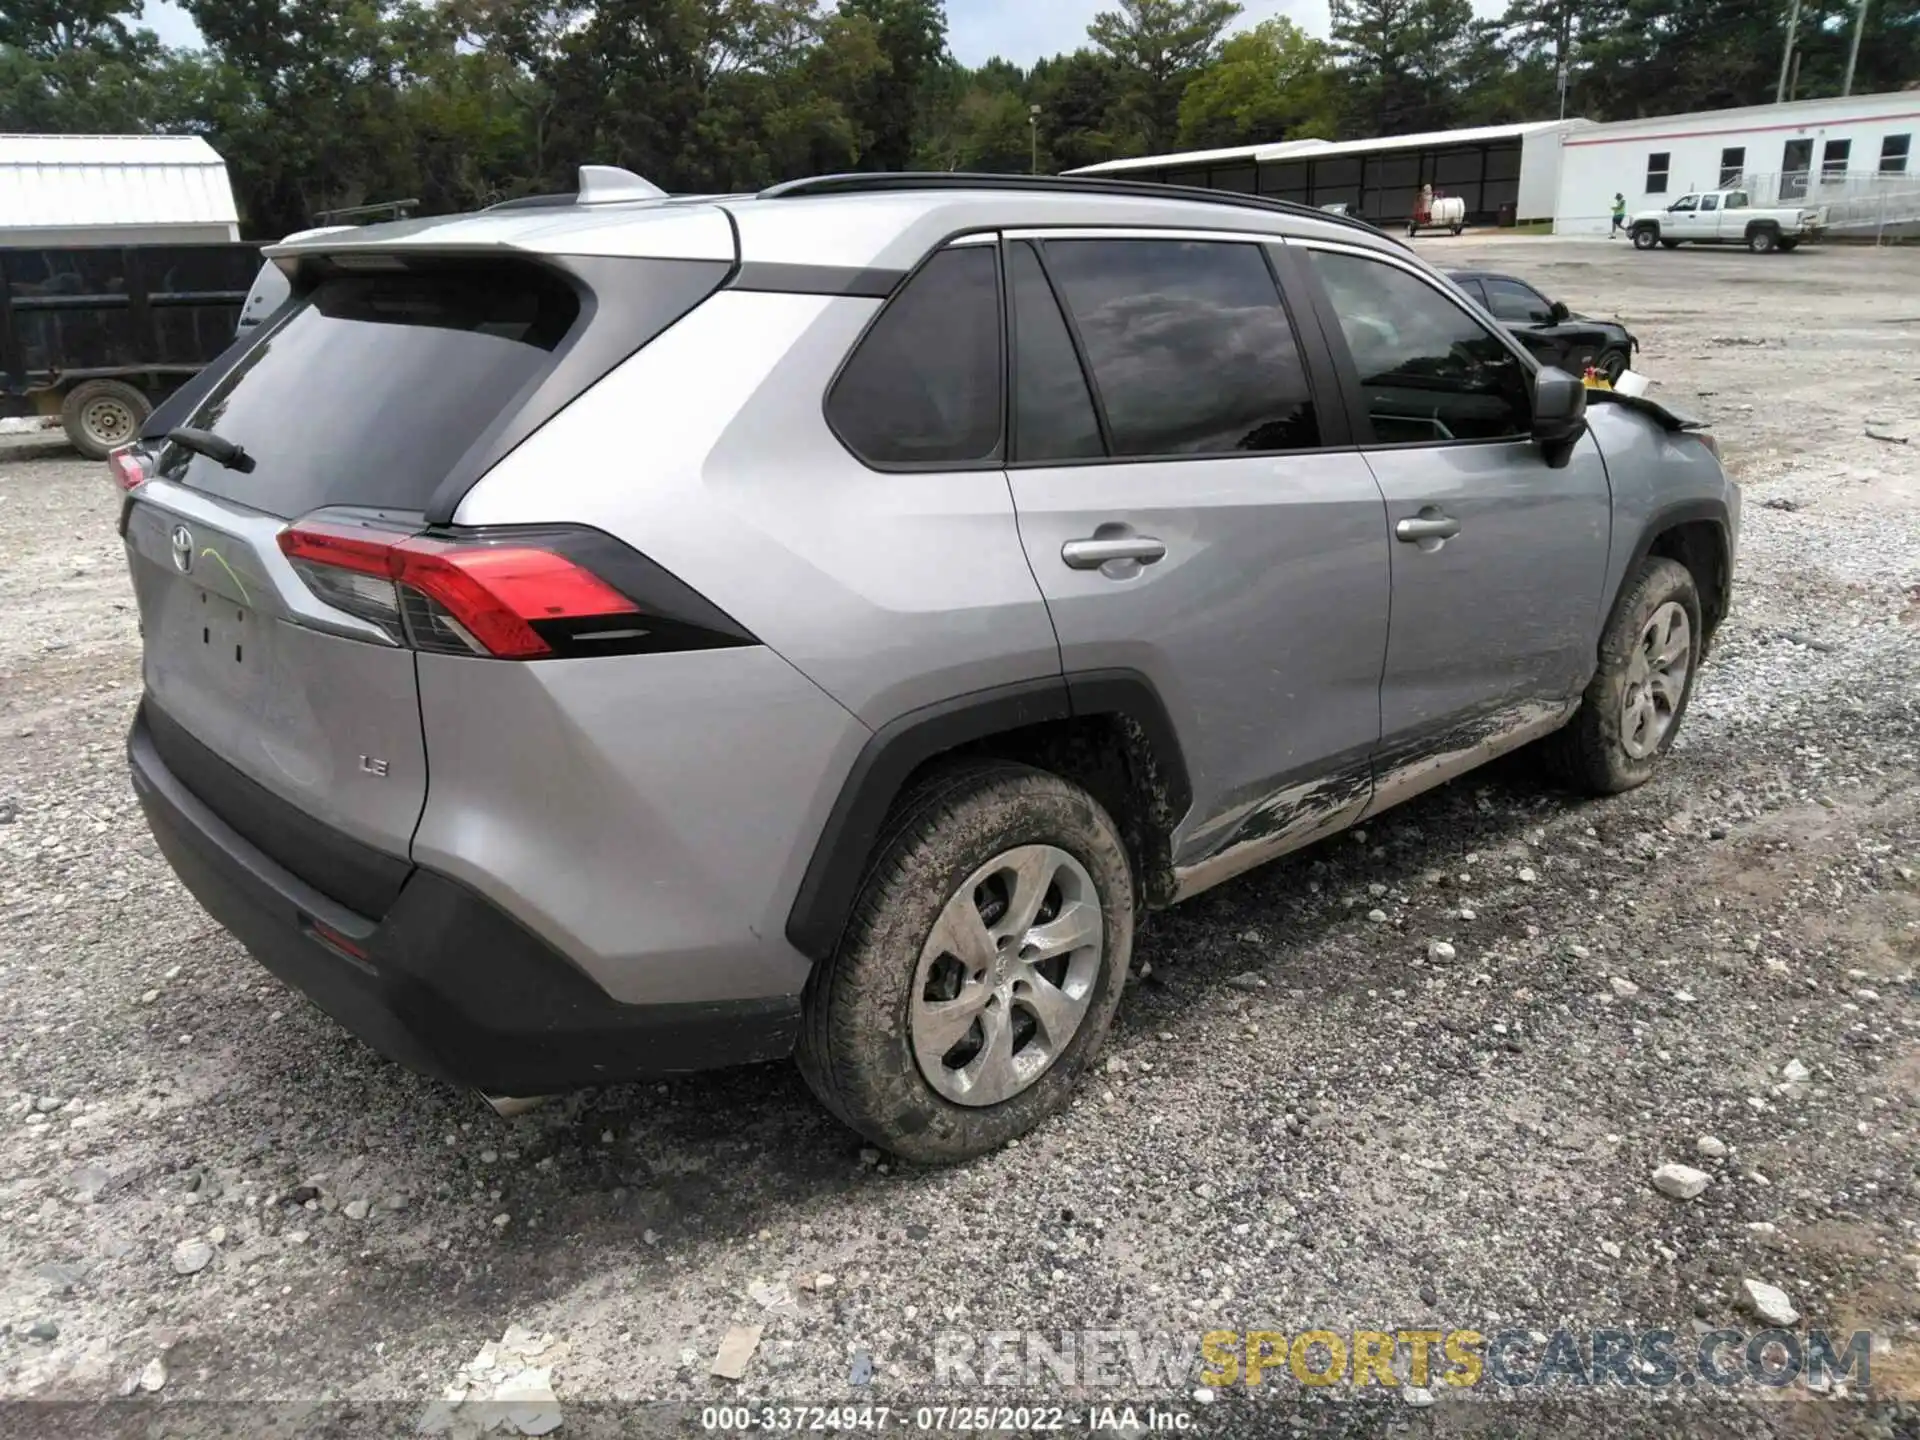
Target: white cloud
column 170, row 22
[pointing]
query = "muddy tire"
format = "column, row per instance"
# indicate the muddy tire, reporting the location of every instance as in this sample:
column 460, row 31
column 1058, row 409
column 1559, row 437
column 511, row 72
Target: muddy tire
column 961, row 1006
column 1633, row 707
column 102, row 415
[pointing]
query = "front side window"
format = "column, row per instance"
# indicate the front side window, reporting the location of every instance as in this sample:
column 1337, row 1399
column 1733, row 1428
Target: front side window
column 1430, row 372
column 1510, row 300
column 1685, row 204
column 1657, row 164
column 1191, row 350
column 923, row 386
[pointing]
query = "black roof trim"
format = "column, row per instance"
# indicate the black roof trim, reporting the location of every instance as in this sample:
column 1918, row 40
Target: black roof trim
column 881, row 183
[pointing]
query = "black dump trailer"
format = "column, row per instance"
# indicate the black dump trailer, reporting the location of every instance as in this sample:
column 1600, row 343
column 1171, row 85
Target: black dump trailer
column 100, row 335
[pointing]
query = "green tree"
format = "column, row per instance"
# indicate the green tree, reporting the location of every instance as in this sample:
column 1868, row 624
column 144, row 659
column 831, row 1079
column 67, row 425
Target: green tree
column 1401, row 58
column 1081, row 120
column 911, row 36
column 1159, row 46
column 1270, row 83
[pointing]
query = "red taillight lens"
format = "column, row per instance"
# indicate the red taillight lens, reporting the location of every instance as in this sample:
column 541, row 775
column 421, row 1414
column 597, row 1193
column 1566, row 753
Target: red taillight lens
column 1713, row 445
column 129, row 471
column 448, row 596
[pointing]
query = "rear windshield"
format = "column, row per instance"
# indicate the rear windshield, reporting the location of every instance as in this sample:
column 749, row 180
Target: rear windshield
column 377, row 384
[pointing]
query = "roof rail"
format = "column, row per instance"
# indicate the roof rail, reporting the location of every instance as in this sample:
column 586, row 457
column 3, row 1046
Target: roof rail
column 879, row 182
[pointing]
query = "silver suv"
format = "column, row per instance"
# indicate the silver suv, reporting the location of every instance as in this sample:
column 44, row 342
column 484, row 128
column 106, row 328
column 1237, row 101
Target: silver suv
column 618, row 636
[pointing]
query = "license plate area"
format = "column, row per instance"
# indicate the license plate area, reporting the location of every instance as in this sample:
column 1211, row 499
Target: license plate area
column 227, row 634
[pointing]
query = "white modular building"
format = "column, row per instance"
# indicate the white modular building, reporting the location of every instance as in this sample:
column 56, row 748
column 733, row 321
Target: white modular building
column 1504, row 173
column 1853, row 158
column 85, row 190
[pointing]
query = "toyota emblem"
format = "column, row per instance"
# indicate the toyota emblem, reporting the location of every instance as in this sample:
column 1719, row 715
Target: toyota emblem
column 182, row 549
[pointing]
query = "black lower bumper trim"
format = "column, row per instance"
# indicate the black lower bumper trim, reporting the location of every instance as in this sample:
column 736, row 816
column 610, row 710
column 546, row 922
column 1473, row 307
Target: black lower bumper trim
column 445, row 982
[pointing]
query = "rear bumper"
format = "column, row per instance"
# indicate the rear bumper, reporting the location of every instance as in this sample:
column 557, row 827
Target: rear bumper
column 445, row 983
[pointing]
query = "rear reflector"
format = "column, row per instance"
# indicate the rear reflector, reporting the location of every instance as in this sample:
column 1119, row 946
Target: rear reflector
column 450, row 595
column 128, row 468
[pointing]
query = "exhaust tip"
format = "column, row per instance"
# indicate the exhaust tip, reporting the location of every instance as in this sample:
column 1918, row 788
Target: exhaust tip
column 508, row 1106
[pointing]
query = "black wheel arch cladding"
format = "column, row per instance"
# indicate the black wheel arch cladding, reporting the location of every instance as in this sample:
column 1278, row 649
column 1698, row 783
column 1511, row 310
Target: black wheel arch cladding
column 888, row 761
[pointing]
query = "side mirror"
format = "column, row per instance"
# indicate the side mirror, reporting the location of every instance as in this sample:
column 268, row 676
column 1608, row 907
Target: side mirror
column 1560, row 313
column 1559, row 414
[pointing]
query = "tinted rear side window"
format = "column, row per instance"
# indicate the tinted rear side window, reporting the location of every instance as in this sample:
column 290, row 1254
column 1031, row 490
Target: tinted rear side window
column 377, row 384
column 1190, row 347
column 1052, row 408
column 924, row 385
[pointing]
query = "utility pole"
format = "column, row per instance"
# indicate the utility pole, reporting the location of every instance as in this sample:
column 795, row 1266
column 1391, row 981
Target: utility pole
column 1786, row 56
column 1853, row 55
column 1033, row 134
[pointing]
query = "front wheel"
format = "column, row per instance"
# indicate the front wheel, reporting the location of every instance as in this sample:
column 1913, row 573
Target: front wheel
column 980, row 969
column 1762, row 242
column 1634, row 704
column 1645, row 238
column 1612, row 364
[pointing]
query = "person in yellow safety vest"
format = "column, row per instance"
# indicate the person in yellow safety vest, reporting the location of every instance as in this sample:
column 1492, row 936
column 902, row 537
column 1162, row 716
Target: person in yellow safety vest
column 1619, row 215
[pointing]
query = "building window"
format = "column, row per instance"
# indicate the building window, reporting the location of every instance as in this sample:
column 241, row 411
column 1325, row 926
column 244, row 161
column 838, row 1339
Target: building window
column 1733, row 162
column 1833, row 162
column 1893, row 154
column 1657, row 172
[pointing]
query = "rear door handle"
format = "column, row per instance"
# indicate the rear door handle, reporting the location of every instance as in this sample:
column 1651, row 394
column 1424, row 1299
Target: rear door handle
column 1426, row 527
column 1092, row 554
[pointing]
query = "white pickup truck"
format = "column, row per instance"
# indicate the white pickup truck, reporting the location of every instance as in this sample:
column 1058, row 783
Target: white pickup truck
column 1724, row 217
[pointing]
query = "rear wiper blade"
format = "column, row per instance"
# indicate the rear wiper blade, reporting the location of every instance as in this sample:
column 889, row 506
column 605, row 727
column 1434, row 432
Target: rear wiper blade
column 205, row 442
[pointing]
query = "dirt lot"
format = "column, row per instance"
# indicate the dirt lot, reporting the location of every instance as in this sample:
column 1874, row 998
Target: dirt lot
column 1353, row 1138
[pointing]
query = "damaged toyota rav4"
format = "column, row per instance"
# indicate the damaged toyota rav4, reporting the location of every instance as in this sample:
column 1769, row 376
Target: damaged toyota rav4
column 612, row 635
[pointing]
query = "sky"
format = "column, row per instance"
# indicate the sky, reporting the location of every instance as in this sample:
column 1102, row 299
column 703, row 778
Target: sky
column 1019, row 30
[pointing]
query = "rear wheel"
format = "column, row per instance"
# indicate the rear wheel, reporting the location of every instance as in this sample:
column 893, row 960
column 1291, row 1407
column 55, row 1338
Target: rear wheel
column 1645, row 238
column 1612, row 364
column 102, row 415
column 1633, row 706
column 1761, row 242
column 981, row 967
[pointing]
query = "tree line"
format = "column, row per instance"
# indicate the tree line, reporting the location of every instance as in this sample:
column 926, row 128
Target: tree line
column 321, row 104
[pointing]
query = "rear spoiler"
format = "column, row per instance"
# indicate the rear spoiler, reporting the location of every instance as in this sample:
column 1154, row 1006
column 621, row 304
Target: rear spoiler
column 1665, row 416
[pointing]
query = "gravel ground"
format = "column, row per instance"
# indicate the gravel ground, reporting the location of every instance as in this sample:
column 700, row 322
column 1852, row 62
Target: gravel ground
column 1303, row 1121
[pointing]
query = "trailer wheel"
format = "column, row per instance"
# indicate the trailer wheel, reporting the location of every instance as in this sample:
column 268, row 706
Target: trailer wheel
column 1458, row 228
column 102, row 415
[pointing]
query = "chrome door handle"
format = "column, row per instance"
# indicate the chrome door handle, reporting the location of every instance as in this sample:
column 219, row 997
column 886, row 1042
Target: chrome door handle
column 1424, row 527
column 1092, row 554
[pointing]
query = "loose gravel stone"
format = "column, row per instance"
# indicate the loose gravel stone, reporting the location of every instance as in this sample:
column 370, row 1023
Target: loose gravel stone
column 1769, row 1303
column 1682, row 1182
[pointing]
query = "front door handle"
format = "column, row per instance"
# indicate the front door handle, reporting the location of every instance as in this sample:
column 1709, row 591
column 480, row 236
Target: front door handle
column 1092, row 554
column 1426, row 527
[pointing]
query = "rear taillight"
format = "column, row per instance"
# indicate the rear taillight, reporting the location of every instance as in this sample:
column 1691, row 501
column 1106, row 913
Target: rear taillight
column 509, row 595
column 1713, row 445
column 128, row 468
